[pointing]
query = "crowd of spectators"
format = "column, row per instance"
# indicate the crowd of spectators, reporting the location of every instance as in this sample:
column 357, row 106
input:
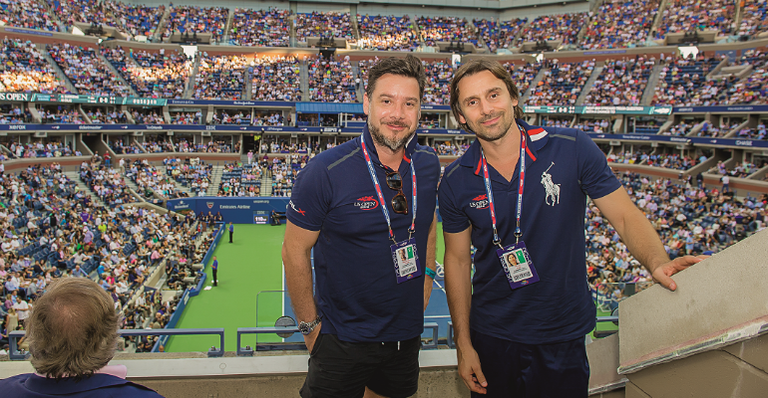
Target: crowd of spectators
column 523, row 75
column 186, row 118
column 147, row 117
column 738, row 170
column 61, row 115
column 238, row 179
column 331, row 80
column 499, row 34
column 107, row 183
column 195, row 19
column 439, row 75
column 14, row 115
column 621, row 82
column 447, row 148
column 445, row 29
column 158, row 145
column 562, row 84
column 121, row 147
column 30, row 14
column 386, row 33
column 276, row 78
column 52, row 230
column 151, row 181
column 564, row 27
column 679, row 130
column 686, row 16
column 671, row 161
column 40, row 149
column 752, row 89
column 594, row 126
column 429, row 121
column 754, row 18
column 689, row 220
column 220, row 77
column 681, row 77
column 558, row 122
column 284, row 171
column 619, row 24
column 194, row 174
column 714, row 131
column 269, row 119
column 96, row 116
column 129, row 19
column 162, row 74
column 323, row 24
column 261, row 28
column 87, row 72
column 25, row 69
column 758, row 133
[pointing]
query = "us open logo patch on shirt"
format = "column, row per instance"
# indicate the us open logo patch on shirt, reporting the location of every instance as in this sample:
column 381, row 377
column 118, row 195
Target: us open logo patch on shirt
column 367, row 203
column 480, row 202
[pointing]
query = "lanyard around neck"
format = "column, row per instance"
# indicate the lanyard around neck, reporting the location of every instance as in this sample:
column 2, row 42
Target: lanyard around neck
column 521, row 186
column 383, row 205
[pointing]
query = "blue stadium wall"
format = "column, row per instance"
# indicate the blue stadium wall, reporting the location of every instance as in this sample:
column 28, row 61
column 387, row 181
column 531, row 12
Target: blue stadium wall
column 250, row 210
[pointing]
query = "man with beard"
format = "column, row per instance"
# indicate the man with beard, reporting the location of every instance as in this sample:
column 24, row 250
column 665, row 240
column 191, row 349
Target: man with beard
column 356, row 205
column 519, row 196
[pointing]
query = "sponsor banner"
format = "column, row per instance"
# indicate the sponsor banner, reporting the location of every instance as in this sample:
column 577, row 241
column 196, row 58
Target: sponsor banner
column 682, row 140
column 441, row 131
column 436, row 107
column 240, row 210
column 231, row 103
column 601, row 110
column 722, row 109
column 29, row 32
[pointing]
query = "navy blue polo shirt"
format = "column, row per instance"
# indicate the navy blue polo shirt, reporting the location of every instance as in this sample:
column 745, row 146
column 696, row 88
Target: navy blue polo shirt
column 356, row 287
column 29, row 385
column 563, row 167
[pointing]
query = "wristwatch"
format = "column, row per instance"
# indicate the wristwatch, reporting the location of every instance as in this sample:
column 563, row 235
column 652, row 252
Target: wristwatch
column 307, row 327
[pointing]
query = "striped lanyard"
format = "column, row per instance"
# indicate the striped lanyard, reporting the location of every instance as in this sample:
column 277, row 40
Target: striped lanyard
column 383, row 206
column 489, row 192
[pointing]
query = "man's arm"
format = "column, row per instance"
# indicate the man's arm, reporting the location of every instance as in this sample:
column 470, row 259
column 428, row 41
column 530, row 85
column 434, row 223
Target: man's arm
column 431, row 257
column 297, row 248
column 641, row 239
column 458, row 287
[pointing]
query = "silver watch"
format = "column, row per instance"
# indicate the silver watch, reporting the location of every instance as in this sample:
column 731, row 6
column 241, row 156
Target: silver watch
column 307, row 327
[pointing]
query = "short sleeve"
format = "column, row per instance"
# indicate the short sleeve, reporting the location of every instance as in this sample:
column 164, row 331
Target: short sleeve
column 454, row 219
column 311, row 197
column 595, row 176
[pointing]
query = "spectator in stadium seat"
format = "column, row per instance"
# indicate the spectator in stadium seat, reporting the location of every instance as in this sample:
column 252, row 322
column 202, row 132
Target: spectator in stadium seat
column 363, row 297
column 73, row 311
column 547, row 318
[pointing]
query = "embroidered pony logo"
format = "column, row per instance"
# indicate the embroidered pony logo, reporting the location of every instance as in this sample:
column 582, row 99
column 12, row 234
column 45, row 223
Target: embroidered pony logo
column 552, row 189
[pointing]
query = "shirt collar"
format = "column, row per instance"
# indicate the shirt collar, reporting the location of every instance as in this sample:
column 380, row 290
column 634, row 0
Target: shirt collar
column 536, row 138
column 410, row 146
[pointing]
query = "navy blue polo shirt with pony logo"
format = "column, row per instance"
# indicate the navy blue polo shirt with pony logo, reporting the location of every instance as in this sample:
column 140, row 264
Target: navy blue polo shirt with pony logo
column 356, row 286
column 563, row 167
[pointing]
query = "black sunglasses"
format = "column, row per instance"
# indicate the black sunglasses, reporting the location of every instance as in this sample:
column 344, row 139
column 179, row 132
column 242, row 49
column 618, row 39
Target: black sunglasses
column 399, row 203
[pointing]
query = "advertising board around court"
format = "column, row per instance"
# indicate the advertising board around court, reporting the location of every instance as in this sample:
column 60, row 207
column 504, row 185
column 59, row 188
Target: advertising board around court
column 250, row 210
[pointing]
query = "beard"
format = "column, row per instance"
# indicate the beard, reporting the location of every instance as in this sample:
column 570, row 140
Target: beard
column 393, row 144
column 492, row 133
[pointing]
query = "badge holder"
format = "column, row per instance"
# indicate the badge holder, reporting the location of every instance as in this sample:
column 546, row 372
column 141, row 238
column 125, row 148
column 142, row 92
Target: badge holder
column 406, row 260
column 517, row 265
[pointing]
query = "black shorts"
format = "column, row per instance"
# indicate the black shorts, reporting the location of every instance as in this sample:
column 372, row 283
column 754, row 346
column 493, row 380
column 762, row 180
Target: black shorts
column 532, row 370
column 341, row 369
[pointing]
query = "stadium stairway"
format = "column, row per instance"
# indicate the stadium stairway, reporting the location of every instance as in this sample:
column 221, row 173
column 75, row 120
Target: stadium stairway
column 116, row 73
column 43, row 49
column 534, row 83
column 266, row 185
column 304, row 83
column 189, row 89
column 650, row 87
column 248, row 86
column 228, row 26
column 599, row 66
column 75, row 176
column 355, row 73
column 158, row 33
column 213, row 188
